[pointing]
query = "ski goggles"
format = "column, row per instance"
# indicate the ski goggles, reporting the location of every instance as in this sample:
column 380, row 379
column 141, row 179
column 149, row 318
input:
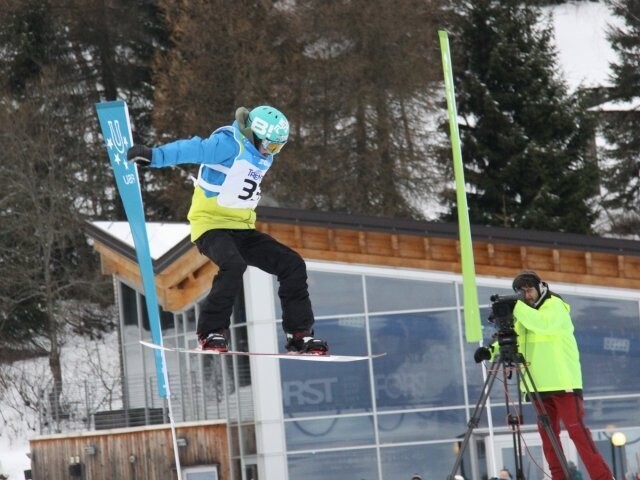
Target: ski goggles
column 272, row 147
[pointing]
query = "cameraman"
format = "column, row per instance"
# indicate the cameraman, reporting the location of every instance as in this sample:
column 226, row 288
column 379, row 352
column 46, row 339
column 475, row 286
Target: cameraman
column 546, row 340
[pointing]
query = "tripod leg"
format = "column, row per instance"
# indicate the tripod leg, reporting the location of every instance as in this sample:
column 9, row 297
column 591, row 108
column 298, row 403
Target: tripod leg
column 543, row 417
column 518, row 454
column 517, row 450
column 514, row 421
column 477, row 411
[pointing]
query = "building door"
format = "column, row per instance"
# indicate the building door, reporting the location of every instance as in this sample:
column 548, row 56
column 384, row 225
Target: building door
column 534, row 465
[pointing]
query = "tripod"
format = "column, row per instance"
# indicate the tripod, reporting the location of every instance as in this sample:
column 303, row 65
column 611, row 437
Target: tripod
column 514, row 422
column 508, row 358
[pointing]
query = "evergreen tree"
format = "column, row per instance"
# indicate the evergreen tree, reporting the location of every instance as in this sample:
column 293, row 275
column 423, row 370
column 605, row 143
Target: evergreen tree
column 525, row 141
column 352, row 77
column 622, row 155
column 54, row 172
column 361, row 101
column 45, row 257
column 202, row 79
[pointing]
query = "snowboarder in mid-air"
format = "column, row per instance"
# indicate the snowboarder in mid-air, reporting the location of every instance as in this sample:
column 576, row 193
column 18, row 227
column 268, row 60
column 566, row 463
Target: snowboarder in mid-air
column 233, row 162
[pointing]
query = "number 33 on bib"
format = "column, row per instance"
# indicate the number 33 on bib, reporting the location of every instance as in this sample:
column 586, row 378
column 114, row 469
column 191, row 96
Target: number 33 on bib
column 241, row 188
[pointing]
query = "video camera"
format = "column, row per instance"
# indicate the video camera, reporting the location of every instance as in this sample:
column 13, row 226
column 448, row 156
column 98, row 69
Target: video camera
column 502, row 317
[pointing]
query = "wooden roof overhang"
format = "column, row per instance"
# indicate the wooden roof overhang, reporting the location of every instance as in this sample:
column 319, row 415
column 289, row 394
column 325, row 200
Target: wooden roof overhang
column 183, row 274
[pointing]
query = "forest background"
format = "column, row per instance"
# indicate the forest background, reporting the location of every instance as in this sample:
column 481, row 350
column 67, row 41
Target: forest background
column 361, row 83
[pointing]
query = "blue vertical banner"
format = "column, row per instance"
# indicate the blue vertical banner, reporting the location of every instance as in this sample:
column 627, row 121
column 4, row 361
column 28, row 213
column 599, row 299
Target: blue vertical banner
column 116, row 130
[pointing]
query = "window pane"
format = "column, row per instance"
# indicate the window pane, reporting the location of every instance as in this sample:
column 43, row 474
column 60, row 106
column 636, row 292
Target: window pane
column 329, row 433
column 190, row 319
column 332, row 294
column 430, row 461
column 146, row 328
column 171, row 358
column 474, row 373
column 422, row 366
column 621, row 412
column 420, row 426
column 179, row 317
column 241, row 343
column 499, row 413
column 485, row 294
column 387, row 293
column 213, row 385
column 201, row 476
column 321, row 388
column 608, row 335
column 130, row 331
column 346, row 465
column 201, row 473
column 239, row 312
column 627, row 461
column 135, row 378
column 151, row 379
column 167, row 322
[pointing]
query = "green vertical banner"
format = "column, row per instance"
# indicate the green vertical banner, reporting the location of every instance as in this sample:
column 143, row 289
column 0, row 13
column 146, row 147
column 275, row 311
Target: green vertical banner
column 473, row 328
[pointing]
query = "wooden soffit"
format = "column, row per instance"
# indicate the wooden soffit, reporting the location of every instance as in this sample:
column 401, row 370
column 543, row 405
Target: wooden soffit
column 498, row 252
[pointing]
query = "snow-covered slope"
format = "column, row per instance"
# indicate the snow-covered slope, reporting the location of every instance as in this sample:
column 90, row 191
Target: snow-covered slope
column 83, row 360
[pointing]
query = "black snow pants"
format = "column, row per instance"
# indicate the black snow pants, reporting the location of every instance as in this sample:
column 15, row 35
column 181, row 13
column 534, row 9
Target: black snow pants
column 232, row 251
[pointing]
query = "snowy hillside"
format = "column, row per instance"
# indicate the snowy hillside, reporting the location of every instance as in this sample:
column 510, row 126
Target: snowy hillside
column 91, row 371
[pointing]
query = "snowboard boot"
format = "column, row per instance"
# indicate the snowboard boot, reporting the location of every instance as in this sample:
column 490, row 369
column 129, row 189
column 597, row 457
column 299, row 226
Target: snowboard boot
column 215, row 341
column 304, row 342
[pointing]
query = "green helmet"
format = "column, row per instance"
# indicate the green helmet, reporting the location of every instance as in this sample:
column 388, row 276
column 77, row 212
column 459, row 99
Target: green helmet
column 268, row 123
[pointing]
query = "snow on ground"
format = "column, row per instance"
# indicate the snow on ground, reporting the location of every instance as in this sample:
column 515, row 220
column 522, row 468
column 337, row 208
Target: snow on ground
column 16, row 429
column 13, row 457
column 83, row 360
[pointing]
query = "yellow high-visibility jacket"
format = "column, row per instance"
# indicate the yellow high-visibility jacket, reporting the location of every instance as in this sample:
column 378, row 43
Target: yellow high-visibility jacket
column 549, row 347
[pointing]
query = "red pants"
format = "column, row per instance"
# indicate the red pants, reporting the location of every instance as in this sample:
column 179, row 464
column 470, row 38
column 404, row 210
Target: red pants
column 568, row 408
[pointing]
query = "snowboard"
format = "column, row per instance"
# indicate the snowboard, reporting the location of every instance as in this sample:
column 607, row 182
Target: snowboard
column 284, row 356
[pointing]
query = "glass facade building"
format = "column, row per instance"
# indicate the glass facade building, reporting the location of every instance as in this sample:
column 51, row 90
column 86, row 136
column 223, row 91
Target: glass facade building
column 405, row 412
column 390, row 417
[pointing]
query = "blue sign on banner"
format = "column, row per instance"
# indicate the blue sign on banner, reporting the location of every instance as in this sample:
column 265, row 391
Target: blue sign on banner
column 116, row 130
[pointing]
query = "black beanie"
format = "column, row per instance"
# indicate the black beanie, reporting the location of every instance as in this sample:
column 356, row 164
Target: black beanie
column 526, row 278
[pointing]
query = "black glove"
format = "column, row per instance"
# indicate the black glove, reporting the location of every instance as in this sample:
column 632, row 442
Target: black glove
column 482, row 353
column 139, row 154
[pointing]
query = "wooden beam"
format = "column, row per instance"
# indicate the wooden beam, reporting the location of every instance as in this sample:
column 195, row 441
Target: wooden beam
column 189, row 277
column 427, row 248
column 491, row 253
column 362, row 242
column 394, row 245
column 331, row 239
column 297, row 232
column 621, row 270
column 524, row 259
column 556, row 259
